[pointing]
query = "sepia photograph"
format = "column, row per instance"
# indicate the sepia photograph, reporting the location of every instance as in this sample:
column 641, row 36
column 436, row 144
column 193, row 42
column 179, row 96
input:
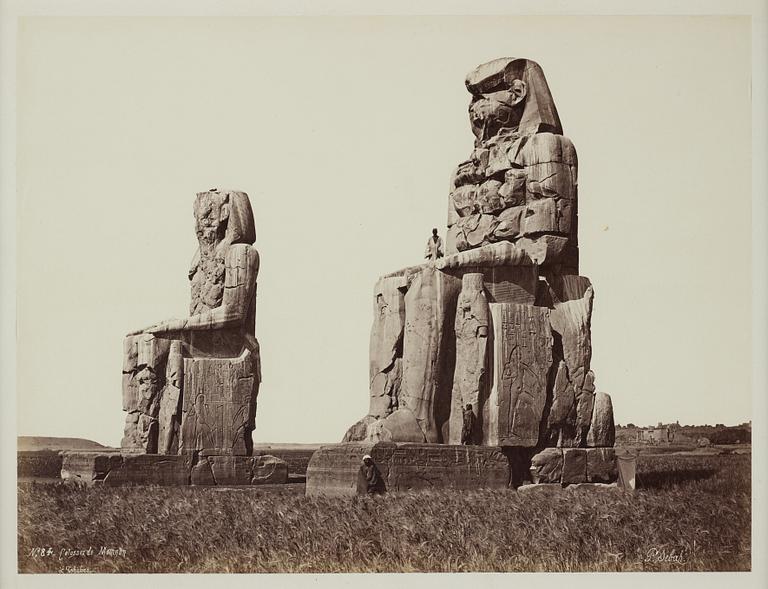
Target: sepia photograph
column 312, row 294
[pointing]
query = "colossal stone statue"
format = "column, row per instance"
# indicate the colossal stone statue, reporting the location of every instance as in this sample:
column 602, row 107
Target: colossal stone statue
column 190, row 385
column 502, row 322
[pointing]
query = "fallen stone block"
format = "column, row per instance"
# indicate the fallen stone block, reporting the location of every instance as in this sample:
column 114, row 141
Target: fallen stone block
column 547, row 466
column 593, row 487
column 546, row 489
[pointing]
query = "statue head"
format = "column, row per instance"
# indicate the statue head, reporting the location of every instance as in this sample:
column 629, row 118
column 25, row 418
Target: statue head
column 223, row 215
column 509, row 93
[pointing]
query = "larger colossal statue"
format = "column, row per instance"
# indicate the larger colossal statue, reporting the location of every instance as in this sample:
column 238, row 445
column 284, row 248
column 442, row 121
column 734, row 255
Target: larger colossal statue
column 190, row 385
column 502, row 322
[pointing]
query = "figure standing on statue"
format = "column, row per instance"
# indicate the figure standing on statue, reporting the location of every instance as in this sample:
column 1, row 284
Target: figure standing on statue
column 434, row 249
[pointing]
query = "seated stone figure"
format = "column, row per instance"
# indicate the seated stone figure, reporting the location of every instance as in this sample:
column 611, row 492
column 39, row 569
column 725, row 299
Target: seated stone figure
column 502, row 321
column 190, row 385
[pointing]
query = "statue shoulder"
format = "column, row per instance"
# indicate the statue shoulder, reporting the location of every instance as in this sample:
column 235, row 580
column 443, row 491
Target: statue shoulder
column 543, row 148
column 242, row 256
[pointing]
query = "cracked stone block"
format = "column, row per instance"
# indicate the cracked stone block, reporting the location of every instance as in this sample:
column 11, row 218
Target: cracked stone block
column 601, row 465
column 150, row 469
column 430, row 307
column 90, row 467
column 602, row 432
column 231, row 470
column 574, row 466
column 571, row 320
column 219, row 404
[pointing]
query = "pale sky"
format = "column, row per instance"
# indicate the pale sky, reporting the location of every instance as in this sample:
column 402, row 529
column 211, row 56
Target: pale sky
column 344, row 133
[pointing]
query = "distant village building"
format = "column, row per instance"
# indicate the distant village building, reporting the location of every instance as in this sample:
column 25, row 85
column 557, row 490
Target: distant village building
column 661, row 434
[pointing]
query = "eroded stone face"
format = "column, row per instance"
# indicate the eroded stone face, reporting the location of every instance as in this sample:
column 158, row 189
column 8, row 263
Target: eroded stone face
column 519, row 183
column 547, row 466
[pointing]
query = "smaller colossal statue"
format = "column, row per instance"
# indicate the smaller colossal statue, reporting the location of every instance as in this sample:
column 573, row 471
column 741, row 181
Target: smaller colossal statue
column 190, row 385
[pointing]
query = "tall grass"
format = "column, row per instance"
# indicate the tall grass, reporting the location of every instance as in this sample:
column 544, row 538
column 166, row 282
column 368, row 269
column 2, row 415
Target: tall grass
column 693, row 513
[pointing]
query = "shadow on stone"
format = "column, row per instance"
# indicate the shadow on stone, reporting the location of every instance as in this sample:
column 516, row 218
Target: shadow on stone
column 658, row 479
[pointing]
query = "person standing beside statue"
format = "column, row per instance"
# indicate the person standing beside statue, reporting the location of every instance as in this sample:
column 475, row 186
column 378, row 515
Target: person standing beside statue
column 370, row 477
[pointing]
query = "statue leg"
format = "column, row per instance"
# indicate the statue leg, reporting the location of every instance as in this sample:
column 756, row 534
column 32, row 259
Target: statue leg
column 170, row 402
column 144, row 363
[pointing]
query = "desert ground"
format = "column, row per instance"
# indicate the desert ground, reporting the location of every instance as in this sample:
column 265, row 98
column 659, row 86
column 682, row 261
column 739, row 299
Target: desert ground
column 690, row 512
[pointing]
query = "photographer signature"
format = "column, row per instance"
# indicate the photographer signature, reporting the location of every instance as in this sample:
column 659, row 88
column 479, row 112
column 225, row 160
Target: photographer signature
column 659, row 555
column 662, row 556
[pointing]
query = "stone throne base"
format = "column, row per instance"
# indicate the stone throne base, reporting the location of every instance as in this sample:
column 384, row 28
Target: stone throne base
column 125, row 469
column 334, row 470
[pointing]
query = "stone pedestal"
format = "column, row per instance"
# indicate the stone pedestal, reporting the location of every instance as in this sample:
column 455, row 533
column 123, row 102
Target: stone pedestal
column 121, row 469
column 334, row 470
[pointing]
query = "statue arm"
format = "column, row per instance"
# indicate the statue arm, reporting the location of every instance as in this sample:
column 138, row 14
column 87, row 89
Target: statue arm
column 241, row 270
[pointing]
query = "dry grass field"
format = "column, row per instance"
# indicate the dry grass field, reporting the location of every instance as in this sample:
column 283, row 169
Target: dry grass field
column 691, row 513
